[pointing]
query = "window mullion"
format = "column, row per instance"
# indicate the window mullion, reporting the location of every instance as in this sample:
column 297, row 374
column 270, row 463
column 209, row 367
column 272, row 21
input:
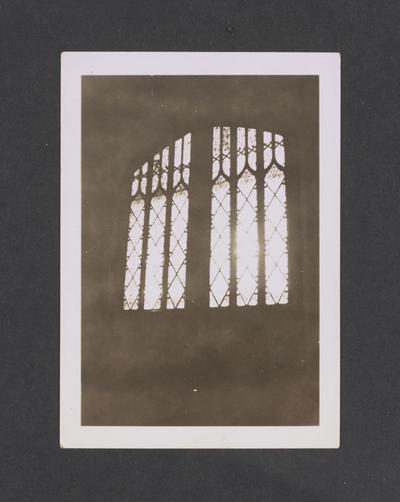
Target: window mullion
column 199, row 220
column 233, row 217
column 260, row 216
column 147, row 203
column 167, row 230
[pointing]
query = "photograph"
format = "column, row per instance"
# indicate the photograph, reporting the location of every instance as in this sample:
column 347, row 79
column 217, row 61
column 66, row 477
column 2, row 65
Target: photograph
column 200, row 250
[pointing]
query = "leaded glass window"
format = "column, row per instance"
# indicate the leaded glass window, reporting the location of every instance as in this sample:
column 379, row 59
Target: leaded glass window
column 220, row 215
column 155, row 275
column 249, row 258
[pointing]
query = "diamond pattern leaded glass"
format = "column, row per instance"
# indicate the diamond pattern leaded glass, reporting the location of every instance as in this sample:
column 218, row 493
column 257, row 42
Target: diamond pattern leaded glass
column 179, row 222
column 220, row 239
column 177, row 260
column 245, row 226
column 133, row 255
column 160, row 202
column 220, row 220
column 155, row 254
column 276, row 255
column 155, row 240
column 158, row 191
column 247, row 243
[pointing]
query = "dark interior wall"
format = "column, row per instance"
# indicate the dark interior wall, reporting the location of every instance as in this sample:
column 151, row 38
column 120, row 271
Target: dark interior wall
column 251, row 366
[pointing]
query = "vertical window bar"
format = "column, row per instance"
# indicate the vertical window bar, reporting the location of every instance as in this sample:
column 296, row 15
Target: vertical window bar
column 233, row 219
column 170, row 173
column 260, row 216
column 147, row 202
column 201, row 210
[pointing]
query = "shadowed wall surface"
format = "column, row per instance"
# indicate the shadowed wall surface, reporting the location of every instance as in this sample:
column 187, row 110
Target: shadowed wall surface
column 197, row 366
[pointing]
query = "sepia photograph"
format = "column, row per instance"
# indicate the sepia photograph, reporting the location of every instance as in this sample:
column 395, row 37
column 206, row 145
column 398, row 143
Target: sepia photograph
column 199, row 270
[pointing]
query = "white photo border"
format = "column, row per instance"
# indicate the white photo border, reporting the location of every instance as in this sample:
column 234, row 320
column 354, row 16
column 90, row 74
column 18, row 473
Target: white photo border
column 76, row 64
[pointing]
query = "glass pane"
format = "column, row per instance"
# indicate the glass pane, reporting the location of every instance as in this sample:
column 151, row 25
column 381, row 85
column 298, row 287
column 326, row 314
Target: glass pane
column 156, row 178
column 216, row 151
column 133, row 255
column 276, row 256
column 155, row 256
column 247, row 240
column 279, row 150
column 220, row 220
column 241, row 149
column 186, row 149
column 179, row 220
column 177, row 257
column 220, row 244
column 186, row 158
column 178, row 153
column 251, row 148
column 226, row 150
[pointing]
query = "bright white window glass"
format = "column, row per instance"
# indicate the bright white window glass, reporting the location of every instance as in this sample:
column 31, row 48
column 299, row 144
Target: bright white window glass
column 220, row 220
column 135, row 240
column 276, row 254
column 164, row 168
column 133, row 255
column 156, row 261
column 247, row 235
column 247, row 248
column 155, row 243
column 179, row 222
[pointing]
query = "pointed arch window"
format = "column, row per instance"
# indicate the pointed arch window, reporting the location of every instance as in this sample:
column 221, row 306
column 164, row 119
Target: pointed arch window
column 249, row 257
column 155, row 274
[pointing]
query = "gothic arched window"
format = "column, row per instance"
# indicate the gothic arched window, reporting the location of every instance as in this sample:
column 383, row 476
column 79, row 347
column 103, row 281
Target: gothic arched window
column 248, row 260
column 155, row 275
